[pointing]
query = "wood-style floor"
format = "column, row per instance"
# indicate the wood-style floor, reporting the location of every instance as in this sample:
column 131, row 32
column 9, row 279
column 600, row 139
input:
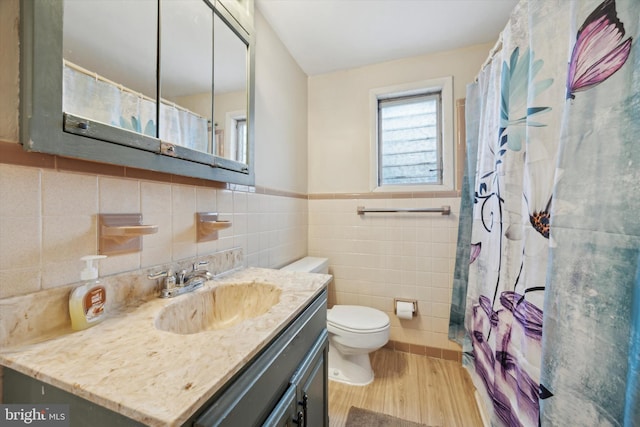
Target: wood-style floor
column 422, row 389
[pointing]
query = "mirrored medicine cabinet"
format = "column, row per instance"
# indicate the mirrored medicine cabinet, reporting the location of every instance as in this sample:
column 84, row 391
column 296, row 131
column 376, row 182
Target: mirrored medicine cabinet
column 162, row 85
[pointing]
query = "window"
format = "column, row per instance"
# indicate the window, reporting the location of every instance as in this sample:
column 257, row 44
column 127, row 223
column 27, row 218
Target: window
column 241, row 139
column 412, row 137
column 236, row 122
column 409, row 139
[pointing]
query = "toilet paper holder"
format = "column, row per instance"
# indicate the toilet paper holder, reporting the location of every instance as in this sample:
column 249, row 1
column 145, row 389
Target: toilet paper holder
column 413, row 302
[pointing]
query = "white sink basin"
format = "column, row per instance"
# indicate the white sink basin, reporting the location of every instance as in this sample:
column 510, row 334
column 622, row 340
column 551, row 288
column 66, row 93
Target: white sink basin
column 217, row 308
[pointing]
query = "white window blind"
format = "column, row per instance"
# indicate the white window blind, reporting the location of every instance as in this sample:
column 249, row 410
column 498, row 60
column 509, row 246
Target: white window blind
column 241, row 140
column 410, row 139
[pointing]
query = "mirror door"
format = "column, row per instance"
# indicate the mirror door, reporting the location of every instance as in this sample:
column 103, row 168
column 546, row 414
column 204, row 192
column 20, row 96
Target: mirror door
column 186, row 69
column 109, row 71
column 169, row 77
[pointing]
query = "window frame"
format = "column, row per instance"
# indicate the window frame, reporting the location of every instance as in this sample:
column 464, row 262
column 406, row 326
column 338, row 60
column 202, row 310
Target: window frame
column 444, row 85
column 231, row 125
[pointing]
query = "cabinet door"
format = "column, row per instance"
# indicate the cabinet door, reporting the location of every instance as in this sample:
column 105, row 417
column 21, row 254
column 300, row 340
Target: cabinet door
column 285, row 414
column 312, row 384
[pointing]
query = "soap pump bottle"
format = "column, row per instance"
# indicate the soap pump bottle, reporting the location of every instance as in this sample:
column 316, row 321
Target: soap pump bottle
column 87, row 301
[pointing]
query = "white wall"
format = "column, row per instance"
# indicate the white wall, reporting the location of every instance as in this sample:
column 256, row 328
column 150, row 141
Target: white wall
column 223, row 103
column 281, row 114
column 339, row 116
column 378, row 257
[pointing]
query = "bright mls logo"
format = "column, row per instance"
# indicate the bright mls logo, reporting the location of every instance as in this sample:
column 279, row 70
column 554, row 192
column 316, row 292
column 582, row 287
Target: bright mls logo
column 34, row 415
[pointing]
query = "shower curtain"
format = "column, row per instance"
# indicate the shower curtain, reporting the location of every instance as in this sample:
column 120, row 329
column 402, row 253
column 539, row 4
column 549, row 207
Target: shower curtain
column 546, row 292
column 88, row 96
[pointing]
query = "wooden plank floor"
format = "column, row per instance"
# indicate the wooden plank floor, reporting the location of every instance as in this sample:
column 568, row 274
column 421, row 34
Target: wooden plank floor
column 422, row 389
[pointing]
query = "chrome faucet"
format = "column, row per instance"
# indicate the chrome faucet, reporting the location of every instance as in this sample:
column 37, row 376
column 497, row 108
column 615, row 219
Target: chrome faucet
column 182, row 281
column 196, row 274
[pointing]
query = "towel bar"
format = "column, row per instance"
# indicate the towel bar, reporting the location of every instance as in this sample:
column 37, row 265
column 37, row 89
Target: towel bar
column 445, row 210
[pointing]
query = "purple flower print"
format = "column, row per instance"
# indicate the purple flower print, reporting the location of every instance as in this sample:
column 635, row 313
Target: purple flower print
column 510, row 380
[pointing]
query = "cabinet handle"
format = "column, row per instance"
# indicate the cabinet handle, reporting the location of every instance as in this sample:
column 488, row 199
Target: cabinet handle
column 304, row 403
column 299, row 420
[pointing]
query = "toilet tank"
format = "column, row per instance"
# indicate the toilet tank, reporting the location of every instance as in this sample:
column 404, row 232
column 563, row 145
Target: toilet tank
column 309, row 265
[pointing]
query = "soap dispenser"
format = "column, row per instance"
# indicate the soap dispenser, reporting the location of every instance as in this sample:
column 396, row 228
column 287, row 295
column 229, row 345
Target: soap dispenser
column 87, row 301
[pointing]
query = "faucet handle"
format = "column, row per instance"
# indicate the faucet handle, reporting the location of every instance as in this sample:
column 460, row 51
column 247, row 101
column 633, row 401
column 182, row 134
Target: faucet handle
column 169, row 281
column 196, row 265
column 159, row 274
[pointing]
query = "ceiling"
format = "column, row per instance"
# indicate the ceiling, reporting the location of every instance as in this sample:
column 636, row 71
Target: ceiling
column 330, row 35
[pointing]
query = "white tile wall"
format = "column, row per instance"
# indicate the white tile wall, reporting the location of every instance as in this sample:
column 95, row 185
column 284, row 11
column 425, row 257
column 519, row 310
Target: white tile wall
column 20, row 209
column 48, row 220
column 376, row 257
column 276, row 229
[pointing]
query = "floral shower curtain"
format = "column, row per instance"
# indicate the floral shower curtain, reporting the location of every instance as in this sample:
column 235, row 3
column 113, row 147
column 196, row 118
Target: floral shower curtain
column 546, row 298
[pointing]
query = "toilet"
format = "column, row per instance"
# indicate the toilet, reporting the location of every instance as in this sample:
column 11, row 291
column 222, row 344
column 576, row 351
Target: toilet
column 354, row 332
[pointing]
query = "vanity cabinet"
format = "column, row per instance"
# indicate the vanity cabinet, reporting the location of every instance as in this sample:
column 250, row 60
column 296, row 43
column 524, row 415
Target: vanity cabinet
column 285, row 384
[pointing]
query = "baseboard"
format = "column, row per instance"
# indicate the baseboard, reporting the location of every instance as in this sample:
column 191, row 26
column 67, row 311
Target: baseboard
column 423, row 350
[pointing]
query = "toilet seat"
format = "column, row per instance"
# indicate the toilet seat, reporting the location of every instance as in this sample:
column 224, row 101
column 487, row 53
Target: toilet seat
column 357, row 319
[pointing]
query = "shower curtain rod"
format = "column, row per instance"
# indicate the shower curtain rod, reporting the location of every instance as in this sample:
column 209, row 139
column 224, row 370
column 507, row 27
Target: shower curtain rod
column 497, row 47
column 445, row 210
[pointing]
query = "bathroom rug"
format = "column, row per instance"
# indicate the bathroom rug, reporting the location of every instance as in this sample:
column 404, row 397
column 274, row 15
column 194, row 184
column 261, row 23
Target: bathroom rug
column 358, row 417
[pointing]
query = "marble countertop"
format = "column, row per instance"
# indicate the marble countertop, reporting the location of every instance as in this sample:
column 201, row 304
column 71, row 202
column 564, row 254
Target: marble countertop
column 155, row 377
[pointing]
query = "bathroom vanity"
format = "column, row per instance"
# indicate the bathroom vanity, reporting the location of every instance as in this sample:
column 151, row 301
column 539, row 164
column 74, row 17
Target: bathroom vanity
column 266, row 370
column 286, row 384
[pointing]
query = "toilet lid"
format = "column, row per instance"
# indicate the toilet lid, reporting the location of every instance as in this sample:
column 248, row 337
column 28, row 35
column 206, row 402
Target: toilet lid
column 357, row 318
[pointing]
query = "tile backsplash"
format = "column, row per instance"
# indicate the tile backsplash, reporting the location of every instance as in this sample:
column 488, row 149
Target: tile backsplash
column 48, row 220
column 45, row 314
column 377, row 257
